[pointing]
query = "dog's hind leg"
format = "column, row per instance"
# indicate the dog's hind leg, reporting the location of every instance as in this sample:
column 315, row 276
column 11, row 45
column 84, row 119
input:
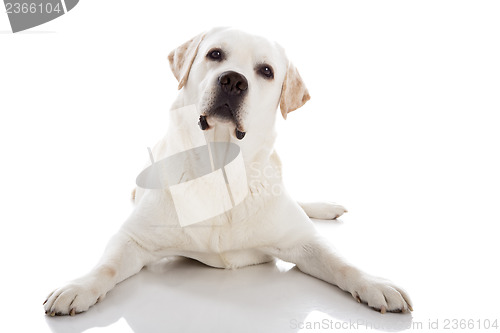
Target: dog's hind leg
column 322, row 210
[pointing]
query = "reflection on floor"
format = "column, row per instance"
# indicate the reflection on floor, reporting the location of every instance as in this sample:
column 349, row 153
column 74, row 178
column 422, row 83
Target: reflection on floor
column 186, row 296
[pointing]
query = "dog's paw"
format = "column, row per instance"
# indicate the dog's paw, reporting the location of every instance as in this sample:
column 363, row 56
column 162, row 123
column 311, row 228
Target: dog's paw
column 382, row 295
column 76, row 297
column 331, row 211
column 323, row 210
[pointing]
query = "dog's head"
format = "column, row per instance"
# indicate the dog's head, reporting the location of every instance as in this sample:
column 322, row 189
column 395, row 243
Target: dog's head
column 237, row 79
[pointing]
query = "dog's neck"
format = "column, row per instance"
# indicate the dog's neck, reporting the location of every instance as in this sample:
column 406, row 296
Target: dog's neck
column 257, row 145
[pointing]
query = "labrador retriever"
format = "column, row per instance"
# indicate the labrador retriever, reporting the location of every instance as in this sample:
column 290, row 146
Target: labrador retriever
column 236, row 81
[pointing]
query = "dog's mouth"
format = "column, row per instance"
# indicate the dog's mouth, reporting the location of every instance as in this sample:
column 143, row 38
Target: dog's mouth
column 223, row 113
column 203, row 123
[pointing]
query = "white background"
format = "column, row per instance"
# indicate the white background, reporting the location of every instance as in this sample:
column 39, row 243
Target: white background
column 402, row 129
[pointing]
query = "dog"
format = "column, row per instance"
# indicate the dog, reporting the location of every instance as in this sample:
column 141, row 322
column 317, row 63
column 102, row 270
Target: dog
column 236, row 81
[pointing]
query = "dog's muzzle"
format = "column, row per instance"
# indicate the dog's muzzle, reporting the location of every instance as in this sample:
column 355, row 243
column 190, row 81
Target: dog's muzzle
column 232, row 88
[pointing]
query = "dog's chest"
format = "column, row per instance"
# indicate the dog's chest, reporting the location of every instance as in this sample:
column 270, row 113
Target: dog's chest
column 226, row 232
column 225, row 243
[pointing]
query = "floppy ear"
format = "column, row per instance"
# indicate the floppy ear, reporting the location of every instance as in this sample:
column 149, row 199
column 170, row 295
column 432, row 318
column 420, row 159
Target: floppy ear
column 182, row 58
column 294, row 93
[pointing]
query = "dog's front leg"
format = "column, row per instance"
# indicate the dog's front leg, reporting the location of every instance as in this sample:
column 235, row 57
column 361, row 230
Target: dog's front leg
column 122, row 258
column 315, row 257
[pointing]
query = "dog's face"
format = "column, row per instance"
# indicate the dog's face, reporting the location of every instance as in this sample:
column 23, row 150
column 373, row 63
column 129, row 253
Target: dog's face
column 237, row 79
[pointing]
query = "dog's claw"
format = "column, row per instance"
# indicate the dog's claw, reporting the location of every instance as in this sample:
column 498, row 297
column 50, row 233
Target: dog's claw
column 409, row 307
column 72, row 312
column 383, row 310
column 358, row 299
column 53, row 313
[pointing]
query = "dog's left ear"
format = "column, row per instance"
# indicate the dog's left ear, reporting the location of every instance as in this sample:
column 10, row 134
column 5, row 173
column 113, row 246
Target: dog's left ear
column 182, row 58
column 294, row 93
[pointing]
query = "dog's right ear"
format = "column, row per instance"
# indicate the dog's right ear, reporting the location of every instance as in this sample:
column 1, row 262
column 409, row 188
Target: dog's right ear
column 182, row 58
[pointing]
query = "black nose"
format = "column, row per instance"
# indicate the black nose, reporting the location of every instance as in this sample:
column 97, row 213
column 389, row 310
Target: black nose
column 233, row 83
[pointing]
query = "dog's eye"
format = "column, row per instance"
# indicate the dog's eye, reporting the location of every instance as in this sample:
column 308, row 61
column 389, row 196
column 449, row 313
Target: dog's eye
column 215, row 55
column 266, row 71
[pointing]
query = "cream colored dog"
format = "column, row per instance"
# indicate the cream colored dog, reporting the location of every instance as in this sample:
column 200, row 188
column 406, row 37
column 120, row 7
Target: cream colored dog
column 236, row 81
